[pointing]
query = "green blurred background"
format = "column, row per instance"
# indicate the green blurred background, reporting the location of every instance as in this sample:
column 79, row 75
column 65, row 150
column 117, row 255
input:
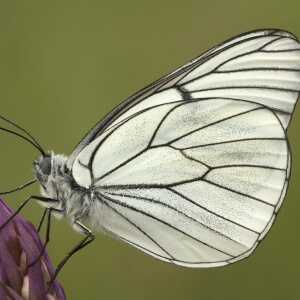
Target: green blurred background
column 65, row 64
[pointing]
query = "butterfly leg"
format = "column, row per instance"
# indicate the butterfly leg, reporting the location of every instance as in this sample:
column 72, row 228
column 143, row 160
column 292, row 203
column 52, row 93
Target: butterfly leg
column 85, row 241
column 49, row 210
column 43, row 199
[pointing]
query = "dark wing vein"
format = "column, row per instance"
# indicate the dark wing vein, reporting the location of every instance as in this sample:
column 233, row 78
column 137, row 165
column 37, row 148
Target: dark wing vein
column 162, row 221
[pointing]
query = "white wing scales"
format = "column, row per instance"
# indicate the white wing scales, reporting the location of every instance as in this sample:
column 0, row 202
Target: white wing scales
column 194, row 169
column 269, row 153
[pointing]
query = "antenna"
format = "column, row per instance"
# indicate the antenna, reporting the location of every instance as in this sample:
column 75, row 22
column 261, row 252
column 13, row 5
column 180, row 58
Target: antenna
column 33, row 141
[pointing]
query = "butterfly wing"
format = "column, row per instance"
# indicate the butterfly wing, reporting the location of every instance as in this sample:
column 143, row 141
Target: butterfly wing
column 281, row 48
column 193, row 169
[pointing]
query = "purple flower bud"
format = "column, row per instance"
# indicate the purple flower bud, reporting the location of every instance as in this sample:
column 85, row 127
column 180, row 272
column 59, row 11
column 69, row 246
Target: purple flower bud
column 20, row 245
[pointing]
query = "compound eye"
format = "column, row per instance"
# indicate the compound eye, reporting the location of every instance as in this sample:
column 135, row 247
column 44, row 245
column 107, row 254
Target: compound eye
column 46, row 165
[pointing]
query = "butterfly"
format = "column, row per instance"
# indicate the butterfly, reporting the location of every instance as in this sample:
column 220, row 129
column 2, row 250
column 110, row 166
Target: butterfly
column 194, row 168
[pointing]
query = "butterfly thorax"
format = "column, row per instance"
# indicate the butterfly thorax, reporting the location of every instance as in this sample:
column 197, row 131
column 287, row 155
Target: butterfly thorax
column 56, row 182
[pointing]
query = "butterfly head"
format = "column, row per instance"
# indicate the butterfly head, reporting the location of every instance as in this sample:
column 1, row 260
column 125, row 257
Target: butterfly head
column 42, row 167
column 49, row 172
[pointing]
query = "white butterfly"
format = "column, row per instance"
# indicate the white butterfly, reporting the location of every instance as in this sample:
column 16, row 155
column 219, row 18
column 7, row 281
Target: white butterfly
column 192, row 169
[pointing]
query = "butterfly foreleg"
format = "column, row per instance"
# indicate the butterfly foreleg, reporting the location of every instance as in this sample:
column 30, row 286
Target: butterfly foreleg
column 39, row 198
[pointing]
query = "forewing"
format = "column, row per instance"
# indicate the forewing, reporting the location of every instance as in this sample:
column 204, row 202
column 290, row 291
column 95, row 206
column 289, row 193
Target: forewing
column 260, row 66
column 194, row 168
